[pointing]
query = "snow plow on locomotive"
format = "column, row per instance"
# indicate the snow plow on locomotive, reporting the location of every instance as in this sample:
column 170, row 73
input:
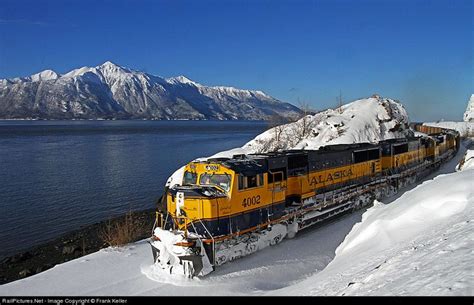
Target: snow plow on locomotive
column 227, row 208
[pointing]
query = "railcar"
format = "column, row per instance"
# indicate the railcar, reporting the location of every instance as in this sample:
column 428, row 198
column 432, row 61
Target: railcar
column 231, row 207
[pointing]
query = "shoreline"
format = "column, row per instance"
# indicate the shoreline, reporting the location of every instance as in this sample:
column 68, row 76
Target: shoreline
column 69, row 246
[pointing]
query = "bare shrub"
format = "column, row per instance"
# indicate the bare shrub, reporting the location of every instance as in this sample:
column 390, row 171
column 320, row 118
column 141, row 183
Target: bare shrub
column 278, row 124
column 120, row 232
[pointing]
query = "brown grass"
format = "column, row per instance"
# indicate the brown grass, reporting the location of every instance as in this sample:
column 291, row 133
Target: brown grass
column 120, row 232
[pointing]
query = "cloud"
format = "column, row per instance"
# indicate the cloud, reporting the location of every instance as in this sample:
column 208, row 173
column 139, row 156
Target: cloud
column 22, row 21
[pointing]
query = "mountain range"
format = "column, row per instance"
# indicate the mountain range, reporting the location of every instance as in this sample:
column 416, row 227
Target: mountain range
column 110, row 91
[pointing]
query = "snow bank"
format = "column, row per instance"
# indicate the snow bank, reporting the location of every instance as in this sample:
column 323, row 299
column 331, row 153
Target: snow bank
column 420, row 244
column 467, row 161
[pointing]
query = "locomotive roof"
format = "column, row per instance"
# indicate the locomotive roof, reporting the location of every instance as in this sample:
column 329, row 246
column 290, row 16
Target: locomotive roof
column 400, row 140
column 253, row 164
column 243, row 164
column 322, row 149
column 342, row 147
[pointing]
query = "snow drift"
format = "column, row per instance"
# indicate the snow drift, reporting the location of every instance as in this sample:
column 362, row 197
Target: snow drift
column 467, row 161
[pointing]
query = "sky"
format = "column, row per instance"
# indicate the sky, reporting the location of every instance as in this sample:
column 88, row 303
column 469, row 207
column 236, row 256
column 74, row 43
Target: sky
column 418, row 52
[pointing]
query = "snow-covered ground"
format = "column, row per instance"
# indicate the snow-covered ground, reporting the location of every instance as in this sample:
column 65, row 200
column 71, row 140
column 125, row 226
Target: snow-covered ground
column 421, row 243
column 129, row 271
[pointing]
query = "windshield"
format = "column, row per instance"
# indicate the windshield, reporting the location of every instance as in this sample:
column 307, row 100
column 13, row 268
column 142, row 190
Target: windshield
column 189, row 178
column 220, row 180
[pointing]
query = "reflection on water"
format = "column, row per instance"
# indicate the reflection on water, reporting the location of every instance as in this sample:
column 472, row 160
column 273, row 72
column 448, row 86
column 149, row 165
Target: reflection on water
column 56, row 176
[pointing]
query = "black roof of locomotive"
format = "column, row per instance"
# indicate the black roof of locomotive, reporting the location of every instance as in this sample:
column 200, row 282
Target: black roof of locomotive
column 320, row 150
column 344, row 147
column 243, row 164
column 400, row 140
column 253, row 164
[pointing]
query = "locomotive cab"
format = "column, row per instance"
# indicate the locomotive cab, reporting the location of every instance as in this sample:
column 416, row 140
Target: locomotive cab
column 223, row 197
column 204, row 194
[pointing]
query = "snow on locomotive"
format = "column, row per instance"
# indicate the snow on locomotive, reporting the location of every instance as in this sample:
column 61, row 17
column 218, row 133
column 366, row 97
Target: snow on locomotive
column 227, row 208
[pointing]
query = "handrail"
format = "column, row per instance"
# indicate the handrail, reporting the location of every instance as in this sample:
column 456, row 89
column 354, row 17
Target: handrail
column 186, row 221
column 166, row 221
column 154, row 224
column 213, row 242
column 202, row 244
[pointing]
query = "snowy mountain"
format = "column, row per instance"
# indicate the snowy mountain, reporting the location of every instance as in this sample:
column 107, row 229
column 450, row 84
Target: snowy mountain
column 110, row 91
column 469, row 114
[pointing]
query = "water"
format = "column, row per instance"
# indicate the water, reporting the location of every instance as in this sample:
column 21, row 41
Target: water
column 56, row 176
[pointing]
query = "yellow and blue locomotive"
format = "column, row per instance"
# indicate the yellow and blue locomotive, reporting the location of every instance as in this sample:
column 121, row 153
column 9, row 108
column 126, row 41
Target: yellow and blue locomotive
column 226, row 208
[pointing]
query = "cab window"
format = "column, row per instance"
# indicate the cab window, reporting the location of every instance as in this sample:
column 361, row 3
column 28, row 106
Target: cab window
column 246, row 182
column 189, row 178
column 220, row 180
column 275, row 177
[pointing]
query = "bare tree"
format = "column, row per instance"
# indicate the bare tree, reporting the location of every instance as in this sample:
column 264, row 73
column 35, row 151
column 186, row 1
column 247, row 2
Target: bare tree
column 339, row 102
column 277, row 122
column 305, row 123
column 283, row 134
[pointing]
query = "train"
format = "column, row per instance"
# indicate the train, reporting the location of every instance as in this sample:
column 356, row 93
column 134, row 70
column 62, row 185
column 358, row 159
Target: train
column 227, row 208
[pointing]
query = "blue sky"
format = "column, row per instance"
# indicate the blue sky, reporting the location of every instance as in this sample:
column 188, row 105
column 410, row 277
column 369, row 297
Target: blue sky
column 420, row 52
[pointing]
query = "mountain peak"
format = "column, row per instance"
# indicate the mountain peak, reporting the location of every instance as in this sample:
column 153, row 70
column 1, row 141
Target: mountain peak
column 44, row 75
column 110, row 66
column 183, row 80
column 108, row 63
